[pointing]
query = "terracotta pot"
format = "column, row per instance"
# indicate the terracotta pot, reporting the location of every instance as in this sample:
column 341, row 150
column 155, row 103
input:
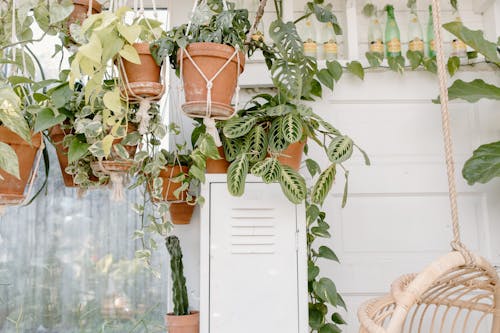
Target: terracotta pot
column 57, row 135
column 292, row 155
column 210, row 58
column 180, row 212
column 80, row 11
column 183, row 324
column 218, row 166
column 11, row 188
column 143, row 79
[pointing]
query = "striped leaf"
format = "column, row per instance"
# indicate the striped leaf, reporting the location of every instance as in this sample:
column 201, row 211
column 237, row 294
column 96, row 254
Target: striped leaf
column 232, row 147
column 256, row 142
column 260, row 168
column 238, row 127
column 277, row 141
column 323, row 186
column 293, row 185
column 279, row 110
column 291, row 128
column 236, row 175
column 273, row 172
column 340, row 149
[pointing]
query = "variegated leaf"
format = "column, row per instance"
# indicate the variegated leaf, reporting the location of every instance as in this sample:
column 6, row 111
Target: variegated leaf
column 237, row 174
column 277, row 141
column 273, row 172
column 291, row 128
column 323, row 186
column 231, row 148
column 238, row 127
column 256, row 144
column 279, row 110
column 260, row 168
column 340, row 149
column 293, row 185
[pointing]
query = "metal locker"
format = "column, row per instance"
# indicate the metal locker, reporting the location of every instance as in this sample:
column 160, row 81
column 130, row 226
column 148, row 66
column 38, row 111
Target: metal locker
column 253, row 260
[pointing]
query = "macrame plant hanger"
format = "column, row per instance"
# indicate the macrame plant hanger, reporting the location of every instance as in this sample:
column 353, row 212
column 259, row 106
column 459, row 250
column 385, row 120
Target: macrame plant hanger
column 4, row 202
column 460, row 291
column 209, row 118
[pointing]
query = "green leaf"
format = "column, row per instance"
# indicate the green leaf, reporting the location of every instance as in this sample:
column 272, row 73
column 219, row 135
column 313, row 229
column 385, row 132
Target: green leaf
column 279, row 110
column 287, row 39
column 335, row 69
column 277, row 141
column 323, row 185
column 77, row 150
column 261, row 167
column 329, row 328
column 369, row 10
column 320, row 232
column 238, row 127
column 415, row 58
column 374, row 59
column 129, row 32
column 313, row 167
column 237, row 174
column 287, row 76
column 8, row 160
column 232, row 148
column 273, row 171
column 11, row 115
column 484, row 165
column 325, row 290
column 130, row 53
column 356, row 68
column 207, row 146
column 325, row 14
column 397, row 64
column 256, row 142
column 473, row 91
column 315, row 318
column 58, row 12
column 454, row 4
column 112, row 101
column 327, row 253
column 46, row 118
column 475, row 39
column 291, row 127
column 326, row 78
column 453, row 65
column 293, row 185
column 337, row 319
column 430, row 65
column 312, row 271
column 340, row 149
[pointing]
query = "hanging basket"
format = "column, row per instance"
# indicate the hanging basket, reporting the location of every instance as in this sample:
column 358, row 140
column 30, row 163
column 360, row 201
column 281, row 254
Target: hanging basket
column 142, row 80
column 292, row 155
column 218, row 166
column 11, row 188
column 57, row 136
column 180, row 211
column 183, row 324
column 210, row 58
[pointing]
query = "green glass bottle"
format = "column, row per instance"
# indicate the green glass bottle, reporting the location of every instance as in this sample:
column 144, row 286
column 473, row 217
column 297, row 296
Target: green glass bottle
column 392, row 34
column 330, row 47
column 415, row 34
column 375, row 37
column 431, row 38
column 458, row 47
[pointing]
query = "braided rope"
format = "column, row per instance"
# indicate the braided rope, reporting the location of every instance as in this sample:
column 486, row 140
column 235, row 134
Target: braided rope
column 456, row 244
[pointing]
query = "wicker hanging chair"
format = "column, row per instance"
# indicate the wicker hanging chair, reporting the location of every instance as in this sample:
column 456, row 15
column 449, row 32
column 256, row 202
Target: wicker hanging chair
column 460, row 291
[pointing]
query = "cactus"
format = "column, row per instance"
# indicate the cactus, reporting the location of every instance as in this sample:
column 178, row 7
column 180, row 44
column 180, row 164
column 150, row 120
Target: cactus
column 179, row 290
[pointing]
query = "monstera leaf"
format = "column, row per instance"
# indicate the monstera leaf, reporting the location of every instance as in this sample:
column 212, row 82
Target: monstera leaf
column 484, row 165
column 237, row 175
column 287, row 39
column 287, row 76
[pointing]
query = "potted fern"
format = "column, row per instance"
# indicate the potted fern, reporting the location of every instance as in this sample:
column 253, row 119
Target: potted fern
column 181, row 320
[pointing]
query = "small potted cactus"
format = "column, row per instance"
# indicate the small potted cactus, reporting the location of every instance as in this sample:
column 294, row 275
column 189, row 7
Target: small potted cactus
column 181, row 320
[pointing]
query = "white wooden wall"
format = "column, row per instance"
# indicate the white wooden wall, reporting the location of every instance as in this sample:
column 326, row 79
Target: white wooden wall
column 397, row 219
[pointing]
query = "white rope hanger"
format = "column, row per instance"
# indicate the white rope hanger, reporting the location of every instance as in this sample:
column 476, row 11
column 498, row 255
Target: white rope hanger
column 458, row 292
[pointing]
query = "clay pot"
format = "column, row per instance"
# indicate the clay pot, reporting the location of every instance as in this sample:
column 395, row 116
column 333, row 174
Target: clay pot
column 11, row 188
column 218, row 166
column 57, row 135
column 292, row 155
column 143, row 79
column 183, row 324
column 80, row 11
column 210, row 58
column 180, row 212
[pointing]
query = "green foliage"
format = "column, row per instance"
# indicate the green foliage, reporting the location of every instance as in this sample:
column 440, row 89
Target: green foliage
column 453, row 65
column 179, row 290
column 484, row 165
column 292, row 184
column 8, row 160
column 237, row 174
column 473, row 91
column 356, row 68
column 323, row 185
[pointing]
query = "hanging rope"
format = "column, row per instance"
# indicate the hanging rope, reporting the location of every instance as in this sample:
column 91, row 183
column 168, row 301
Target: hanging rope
column 258, row 17
column 456, row 244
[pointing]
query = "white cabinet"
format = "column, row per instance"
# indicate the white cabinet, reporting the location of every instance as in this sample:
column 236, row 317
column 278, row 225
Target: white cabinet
column 253, row 261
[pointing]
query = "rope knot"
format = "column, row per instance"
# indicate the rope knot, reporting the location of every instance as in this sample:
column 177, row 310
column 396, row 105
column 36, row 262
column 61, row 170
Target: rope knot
column 210, row 85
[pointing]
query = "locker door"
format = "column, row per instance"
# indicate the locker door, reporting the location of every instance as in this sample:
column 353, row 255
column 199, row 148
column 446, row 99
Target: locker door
column 253, row 261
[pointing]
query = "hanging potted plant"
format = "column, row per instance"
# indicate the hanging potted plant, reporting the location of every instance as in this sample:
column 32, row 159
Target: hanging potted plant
column 181, row 320
column 208, row 55
column 81, row 10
